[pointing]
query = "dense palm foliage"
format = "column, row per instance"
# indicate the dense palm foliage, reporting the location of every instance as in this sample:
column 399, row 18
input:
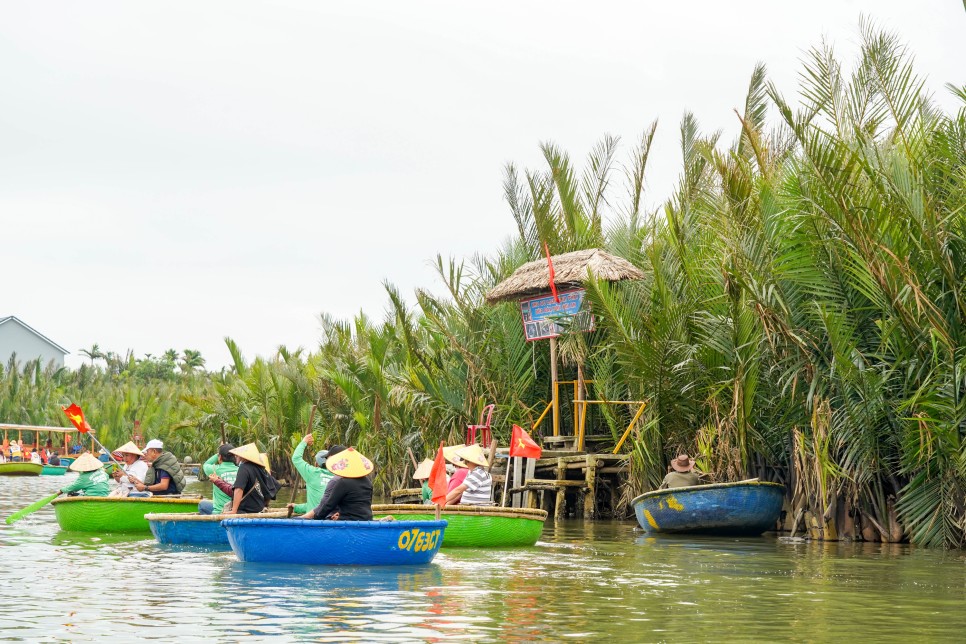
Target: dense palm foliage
column 801, row 318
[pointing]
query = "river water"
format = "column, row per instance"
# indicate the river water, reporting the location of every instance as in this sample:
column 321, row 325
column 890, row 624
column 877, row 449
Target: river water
column 581, row 582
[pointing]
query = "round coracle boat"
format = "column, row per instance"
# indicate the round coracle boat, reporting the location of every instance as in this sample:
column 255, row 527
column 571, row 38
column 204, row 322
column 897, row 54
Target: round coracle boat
column 198, row 529
column 21, row 468
column 476, row 526
column 741, row 508
column 116, row 514
column 54, row 470
column 333, row 543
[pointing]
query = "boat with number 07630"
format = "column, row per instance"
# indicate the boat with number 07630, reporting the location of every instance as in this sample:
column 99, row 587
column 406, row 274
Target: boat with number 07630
column 742, row 508
column 334, row 543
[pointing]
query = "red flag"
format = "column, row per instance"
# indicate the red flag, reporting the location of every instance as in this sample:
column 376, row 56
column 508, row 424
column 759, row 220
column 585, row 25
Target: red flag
column 76, row 416
column 522, row 445
column 553, row 287
column 437, row 478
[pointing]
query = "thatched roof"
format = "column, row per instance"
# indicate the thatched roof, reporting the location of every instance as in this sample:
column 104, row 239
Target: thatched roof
column 570, row 270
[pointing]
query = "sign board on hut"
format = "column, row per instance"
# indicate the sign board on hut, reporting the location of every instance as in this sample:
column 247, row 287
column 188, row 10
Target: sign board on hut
column 545, row 318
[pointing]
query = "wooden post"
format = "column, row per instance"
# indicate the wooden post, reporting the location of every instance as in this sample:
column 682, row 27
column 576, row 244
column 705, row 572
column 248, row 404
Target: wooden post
column 531, row 464
column 517, row 476
column 553, row 382
column 590, row 499
column 560, row 507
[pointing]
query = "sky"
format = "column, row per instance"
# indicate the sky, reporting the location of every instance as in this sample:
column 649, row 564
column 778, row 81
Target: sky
column 174, row 173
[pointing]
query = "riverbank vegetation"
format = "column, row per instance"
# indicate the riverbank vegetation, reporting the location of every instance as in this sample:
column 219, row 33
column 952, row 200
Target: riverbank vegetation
column 801, row 319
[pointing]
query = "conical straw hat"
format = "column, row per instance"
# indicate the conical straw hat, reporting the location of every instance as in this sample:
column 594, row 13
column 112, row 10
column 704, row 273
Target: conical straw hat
column 248, row 452
column 422, row 472
column 263, row 461
column 129, row 448
column 349, row 464
column 472, row 454
column 86, row 463
column 449, row 453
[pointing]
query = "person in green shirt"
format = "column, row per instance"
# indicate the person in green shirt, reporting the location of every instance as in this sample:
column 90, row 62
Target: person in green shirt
column 93, row 480
column 221, row 465
column 422, row 474
column 316, row 478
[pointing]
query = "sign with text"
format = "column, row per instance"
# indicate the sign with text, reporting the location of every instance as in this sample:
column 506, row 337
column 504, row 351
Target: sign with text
column 545, row 318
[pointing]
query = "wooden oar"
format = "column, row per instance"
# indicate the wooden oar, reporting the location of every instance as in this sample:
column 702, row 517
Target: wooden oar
column 296, row 479
column 30, row 509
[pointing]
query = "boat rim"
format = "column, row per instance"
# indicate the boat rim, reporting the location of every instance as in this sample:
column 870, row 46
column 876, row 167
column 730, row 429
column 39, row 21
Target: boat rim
column 334, row 525
column 470, row 510
column 709, row 486
column 211, row 518
column 129, row 499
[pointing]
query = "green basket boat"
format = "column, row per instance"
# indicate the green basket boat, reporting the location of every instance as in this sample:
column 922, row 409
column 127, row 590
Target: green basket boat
column 21, row 468
column 475, row 526
column 116, row 514
column 54, row 470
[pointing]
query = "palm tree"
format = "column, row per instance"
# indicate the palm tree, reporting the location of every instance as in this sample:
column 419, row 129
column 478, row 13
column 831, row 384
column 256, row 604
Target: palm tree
column 94, row 353
column 192, row 360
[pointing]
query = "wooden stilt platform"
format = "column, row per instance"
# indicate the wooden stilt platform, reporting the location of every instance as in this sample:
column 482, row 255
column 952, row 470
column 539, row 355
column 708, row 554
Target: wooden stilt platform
column 566, row 484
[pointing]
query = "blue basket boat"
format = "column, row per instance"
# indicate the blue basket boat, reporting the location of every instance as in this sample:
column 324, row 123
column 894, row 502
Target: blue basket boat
column 364, row 543
column 742, row 508
column 196, row 529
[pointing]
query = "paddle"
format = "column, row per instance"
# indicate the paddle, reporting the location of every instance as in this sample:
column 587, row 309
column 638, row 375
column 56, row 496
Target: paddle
column 30, row 509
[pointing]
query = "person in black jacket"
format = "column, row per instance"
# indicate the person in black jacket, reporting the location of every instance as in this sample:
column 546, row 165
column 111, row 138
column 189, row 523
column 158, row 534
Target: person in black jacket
column 348, row 496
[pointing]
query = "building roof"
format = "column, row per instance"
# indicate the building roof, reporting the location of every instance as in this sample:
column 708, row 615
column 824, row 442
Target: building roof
column 13, row 318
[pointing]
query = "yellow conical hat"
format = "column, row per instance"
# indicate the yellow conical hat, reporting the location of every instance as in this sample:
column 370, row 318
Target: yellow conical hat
column 129, row 448
column 422, row 472
column 449, row 453
column 86, row 463
column 473, row 454
column 349, row 464
column 248, row 452
column 263, row 460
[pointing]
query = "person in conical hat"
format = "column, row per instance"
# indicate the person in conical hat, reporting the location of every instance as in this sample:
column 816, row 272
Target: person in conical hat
column 348, row 496
column 254, row 486
column 682, row 474
column 422, row 474
column 135, row 471
column 477, row 487
column 92, row 480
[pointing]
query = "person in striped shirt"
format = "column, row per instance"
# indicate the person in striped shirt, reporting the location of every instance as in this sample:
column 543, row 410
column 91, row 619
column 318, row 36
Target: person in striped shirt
column 477, row 487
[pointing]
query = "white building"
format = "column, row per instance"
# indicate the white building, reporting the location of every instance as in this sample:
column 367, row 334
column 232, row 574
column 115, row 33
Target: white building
column 17, row 337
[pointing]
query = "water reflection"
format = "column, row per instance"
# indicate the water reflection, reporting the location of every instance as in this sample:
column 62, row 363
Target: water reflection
column 593, row 582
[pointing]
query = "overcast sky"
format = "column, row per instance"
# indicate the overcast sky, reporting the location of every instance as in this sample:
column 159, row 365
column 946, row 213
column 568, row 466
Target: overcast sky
column 172, row 173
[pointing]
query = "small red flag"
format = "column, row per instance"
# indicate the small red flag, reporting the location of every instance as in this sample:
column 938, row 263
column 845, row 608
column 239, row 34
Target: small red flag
column 522, row 445
column 76, row 416
column 553, row 287
column 437, row 478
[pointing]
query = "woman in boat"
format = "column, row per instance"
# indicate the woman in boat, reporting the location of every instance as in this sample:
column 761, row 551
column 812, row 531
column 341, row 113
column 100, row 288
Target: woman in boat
column 422, row 474
column 164, row 476
column 316, row 476
column 220, row 467
column 477, row 487
column 135, row 471
column 681, row 474
column 459, row 474
column 92, row 480
column 254, row 486
column 348, row 496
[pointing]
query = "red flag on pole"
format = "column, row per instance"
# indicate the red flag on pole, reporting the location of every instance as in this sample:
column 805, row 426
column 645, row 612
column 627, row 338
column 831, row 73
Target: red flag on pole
column 553, row 287
column 437, row 478
column 76, row 416
column 522, row 445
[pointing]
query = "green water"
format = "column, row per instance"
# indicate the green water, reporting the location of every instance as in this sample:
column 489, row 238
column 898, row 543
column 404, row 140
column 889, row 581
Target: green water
column 593, row 582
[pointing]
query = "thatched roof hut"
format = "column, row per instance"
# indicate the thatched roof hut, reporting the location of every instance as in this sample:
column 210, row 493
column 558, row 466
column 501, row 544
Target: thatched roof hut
column 570, row 271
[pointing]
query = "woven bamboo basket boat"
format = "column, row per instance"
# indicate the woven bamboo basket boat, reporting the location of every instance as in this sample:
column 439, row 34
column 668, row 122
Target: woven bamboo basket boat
column 54, row 470
column 352, row 543
column 476, row 526
column 198, row 529
column 116, row 514
column 21, row 468
column 741, row 508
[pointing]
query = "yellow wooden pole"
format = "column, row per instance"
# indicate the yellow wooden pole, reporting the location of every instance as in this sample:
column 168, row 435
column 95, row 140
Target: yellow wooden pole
column 583, row 423
column 556, row 394
column 543, row 415
column 630, row 427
